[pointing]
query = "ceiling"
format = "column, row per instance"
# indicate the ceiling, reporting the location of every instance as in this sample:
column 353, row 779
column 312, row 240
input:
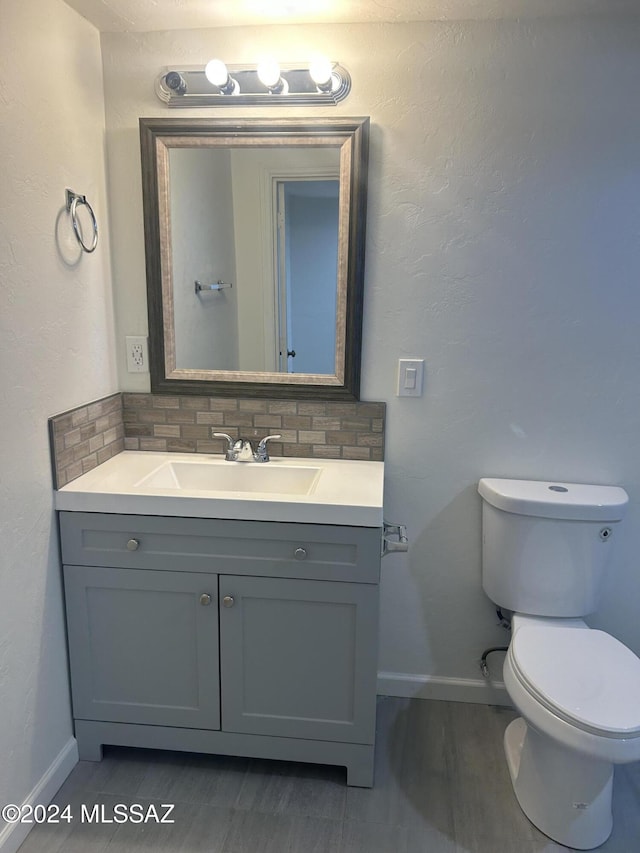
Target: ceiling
column 149, row 15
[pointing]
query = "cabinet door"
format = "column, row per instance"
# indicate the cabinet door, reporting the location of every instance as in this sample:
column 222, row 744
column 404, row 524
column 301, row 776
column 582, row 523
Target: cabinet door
column 143, row 646
column 298, row 658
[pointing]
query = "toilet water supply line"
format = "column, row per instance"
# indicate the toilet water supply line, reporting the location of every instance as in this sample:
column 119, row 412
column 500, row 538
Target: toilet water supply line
column 483, row 660
column 506, row 623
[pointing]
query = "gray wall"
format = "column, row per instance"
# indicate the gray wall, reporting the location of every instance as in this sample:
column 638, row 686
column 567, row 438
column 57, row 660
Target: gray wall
column 502, row 247
column 56, row 351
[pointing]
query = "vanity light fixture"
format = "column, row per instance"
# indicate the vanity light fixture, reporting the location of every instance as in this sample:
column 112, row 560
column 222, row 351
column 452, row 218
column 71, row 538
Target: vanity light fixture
column 320, row 82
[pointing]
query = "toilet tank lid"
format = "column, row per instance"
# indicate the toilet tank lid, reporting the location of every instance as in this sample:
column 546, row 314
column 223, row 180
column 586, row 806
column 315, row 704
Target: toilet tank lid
column 575, row 501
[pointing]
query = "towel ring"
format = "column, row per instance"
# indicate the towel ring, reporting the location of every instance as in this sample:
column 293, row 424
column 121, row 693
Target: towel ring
column 73, row 200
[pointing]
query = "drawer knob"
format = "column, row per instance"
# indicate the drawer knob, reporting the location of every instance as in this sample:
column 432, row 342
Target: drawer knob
column 300, row 554
column 228, row 601
column 205, row 599
column 133, row 545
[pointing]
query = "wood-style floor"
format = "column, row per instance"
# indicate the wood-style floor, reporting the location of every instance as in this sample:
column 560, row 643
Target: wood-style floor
column 441, row 786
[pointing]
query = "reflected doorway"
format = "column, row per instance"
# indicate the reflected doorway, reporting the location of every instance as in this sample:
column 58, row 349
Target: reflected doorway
column 306, row 221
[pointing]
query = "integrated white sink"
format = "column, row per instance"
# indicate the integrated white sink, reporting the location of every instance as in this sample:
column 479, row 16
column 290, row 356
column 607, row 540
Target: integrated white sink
column 197, row 485
column 233, row 477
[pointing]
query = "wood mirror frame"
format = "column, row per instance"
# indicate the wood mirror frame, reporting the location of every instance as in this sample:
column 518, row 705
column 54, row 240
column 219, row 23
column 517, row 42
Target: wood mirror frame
column 351, row 137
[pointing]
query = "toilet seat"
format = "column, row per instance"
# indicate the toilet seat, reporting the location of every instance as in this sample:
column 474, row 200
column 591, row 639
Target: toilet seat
column 584, row 676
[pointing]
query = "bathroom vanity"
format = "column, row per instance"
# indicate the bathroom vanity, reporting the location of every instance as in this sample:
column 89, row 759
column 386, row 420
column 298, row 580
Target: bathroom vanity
column 216, row 620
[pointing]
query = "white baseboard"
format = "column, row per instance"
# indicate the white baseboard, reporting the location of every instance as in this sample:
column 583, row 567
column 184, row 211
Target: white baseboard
column 13, row 834
column 480, row 690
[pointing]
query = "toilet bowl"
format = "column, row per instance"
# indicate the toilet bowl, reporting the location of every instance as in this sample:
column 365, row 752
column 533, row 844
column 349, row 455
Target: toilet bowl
column 545, row 548
column 578, row 691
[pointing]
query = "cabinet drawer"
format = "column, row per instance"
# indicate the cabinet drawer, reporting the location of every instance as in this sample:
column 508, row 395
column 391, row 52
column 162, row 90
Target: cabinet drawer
column 315, row 551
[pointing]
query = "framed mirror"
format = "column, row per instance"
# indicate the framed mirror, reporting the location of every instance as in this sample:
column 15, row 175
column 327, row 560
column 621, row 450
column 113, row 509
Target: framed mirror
column 254, row 240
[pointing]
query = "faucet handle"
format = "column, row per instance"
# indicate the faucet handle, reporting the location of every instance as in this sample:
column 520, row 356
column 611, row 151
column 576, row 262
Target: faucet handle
column 262, row 454
column 229, row 453
column 223, row 435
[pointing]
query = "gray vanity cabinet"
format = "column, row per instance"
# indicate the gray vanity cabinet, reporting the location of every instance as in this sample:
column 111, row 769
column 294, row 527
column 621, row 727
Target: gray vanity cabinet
column 241, row 638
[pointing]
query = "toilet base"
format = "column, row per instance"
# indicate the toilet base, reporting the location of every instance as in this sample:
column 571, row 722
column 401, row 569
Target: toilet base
column 564, row 794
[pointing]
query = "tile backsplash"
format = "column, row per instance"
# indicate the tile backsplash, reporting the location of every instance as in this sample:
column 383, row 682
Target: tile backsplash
column 85, row 437
column 88, row 435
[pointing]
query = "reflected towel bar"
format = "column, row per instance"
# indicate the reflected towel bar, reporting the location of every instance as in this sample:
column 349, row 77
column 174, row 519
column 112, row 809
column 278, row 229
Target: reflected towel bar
column 219, row 285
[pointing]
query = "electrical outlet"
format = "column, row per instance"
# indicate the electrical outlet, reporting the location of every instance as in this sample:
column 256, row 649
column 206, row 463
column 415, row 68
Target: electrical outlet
column 137, row 354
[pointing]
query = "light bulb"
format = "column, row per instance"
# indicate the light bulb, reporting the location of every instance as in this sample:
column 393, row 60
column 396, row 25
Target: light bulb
column 216, row 73
column 269, row 73
column 320, row 70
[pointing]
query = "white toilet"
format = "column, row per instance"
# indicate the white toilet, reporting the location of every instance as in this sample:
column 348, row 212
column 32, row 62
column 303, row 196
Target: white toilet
column 545, row 547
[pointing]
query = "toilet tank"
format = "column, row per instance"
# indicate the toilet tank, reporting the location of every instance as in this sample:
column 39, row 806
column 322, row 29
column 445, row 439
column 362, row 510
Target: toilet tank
column 545, row 546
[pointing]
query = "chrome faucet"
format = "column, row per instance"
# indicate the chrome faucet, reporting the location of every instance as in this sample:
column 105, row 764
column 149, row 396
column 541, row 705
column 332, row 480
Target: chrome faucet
column 241, row 450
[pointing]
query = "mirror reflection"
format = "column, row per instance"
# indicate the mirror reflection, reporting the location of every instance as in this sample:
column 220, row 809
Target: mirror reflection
column 258, row 230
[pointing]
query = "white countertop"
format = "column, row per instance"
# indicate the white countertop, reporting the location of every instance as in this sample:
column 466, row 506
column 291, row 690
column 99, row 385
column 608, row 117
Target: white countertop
column 345, row 492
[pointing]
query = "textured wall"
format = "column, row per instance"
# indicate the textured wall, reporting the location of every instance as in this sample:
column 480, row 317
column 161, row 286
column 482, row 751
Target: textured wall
column 56, row 343
column 502, row 246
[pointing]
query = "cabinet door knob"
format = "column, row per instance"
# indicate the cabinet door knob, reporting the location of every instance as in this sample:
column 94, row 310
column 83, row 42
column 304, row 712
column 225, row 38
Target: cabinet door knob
column 228, row 601
column 300, row 554
column 133, row 545
column 205, row 599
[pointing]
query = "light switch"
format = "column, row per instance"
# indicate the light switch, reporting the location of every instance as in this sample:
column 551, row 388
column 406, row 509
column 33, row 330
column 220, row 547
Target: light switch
column 410, row 377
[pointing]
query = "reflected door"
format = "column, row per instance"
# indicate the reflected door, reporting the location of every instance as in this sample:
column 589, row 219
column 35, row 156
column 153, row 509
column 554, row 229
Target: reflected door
column 307, row 260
